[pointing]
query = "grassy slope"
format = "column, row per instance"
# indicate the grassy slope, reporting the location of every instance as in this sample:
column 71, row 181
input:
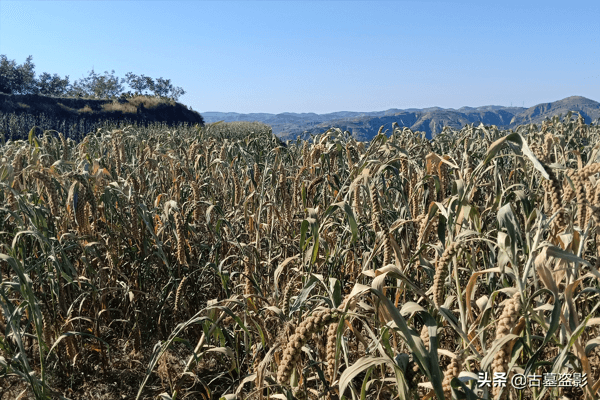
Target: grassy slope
column 140, row 108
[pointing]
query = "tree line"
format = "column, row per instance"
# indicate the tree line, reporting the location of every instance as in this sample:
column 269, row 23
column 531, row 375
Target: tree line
column 21, row 79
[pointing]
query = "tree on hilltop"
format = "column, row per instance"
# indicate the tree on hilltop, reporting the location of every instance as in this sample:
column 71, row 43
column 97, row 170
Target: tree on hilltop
column 17, row 79
column 107, row 86
column 52, row 85
column 20, row 79
column 160, row 87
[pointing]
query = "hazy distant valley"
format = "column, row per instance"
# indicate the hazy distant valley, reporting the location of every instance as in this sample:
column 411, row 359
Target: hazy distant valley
column 364, row 125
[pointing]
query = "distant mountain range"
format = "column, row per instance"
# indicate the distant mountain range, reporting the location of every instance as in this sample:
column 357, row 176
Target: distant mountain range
column 364, row 125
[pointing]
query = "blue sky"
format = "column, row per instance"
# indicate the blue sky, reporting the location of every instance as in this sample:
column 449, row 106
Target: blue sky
column 283, row 56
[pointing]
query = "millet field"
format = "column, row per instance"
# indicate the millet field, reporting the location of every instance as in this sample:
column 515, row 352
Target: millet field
column 218, row 262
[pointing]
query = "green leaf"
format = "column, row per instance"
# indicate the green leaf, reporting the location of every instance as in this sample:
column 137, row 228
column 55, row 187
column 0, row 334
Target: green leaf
column 303, row 230
column 31, row 136
column 359, row 366
column 342, row 205
column 554, row 325
column 315, row 250
column 459, row 382
column 522, row 144
column 304, row 293
column 499, row 144
column 495, row 348
column 336, row 291
column 557, row 252
column 415, row 343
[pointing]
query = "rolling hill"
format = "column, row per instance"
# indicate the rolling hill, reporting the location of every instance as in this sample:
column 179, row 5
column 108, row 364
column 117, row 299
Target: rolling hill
column 364, row 125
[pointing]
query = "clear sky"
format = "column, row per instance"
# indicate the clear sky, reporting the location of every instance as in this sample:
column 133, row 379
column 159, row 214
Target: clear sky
column 286, row 56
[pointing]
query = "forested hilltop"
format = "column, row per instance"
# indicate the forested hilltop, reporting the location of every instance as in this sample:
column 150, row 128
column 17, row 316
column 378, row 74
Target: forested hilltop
column 77, row 116
column 52, row 102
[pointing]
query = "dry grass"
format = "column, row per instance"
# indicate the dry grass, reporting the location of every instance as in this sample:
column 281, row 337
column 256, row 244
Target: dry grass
column 65, row 107
column 148, row 101
column 132, row 104
column 85, row 110
column 126, row 108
